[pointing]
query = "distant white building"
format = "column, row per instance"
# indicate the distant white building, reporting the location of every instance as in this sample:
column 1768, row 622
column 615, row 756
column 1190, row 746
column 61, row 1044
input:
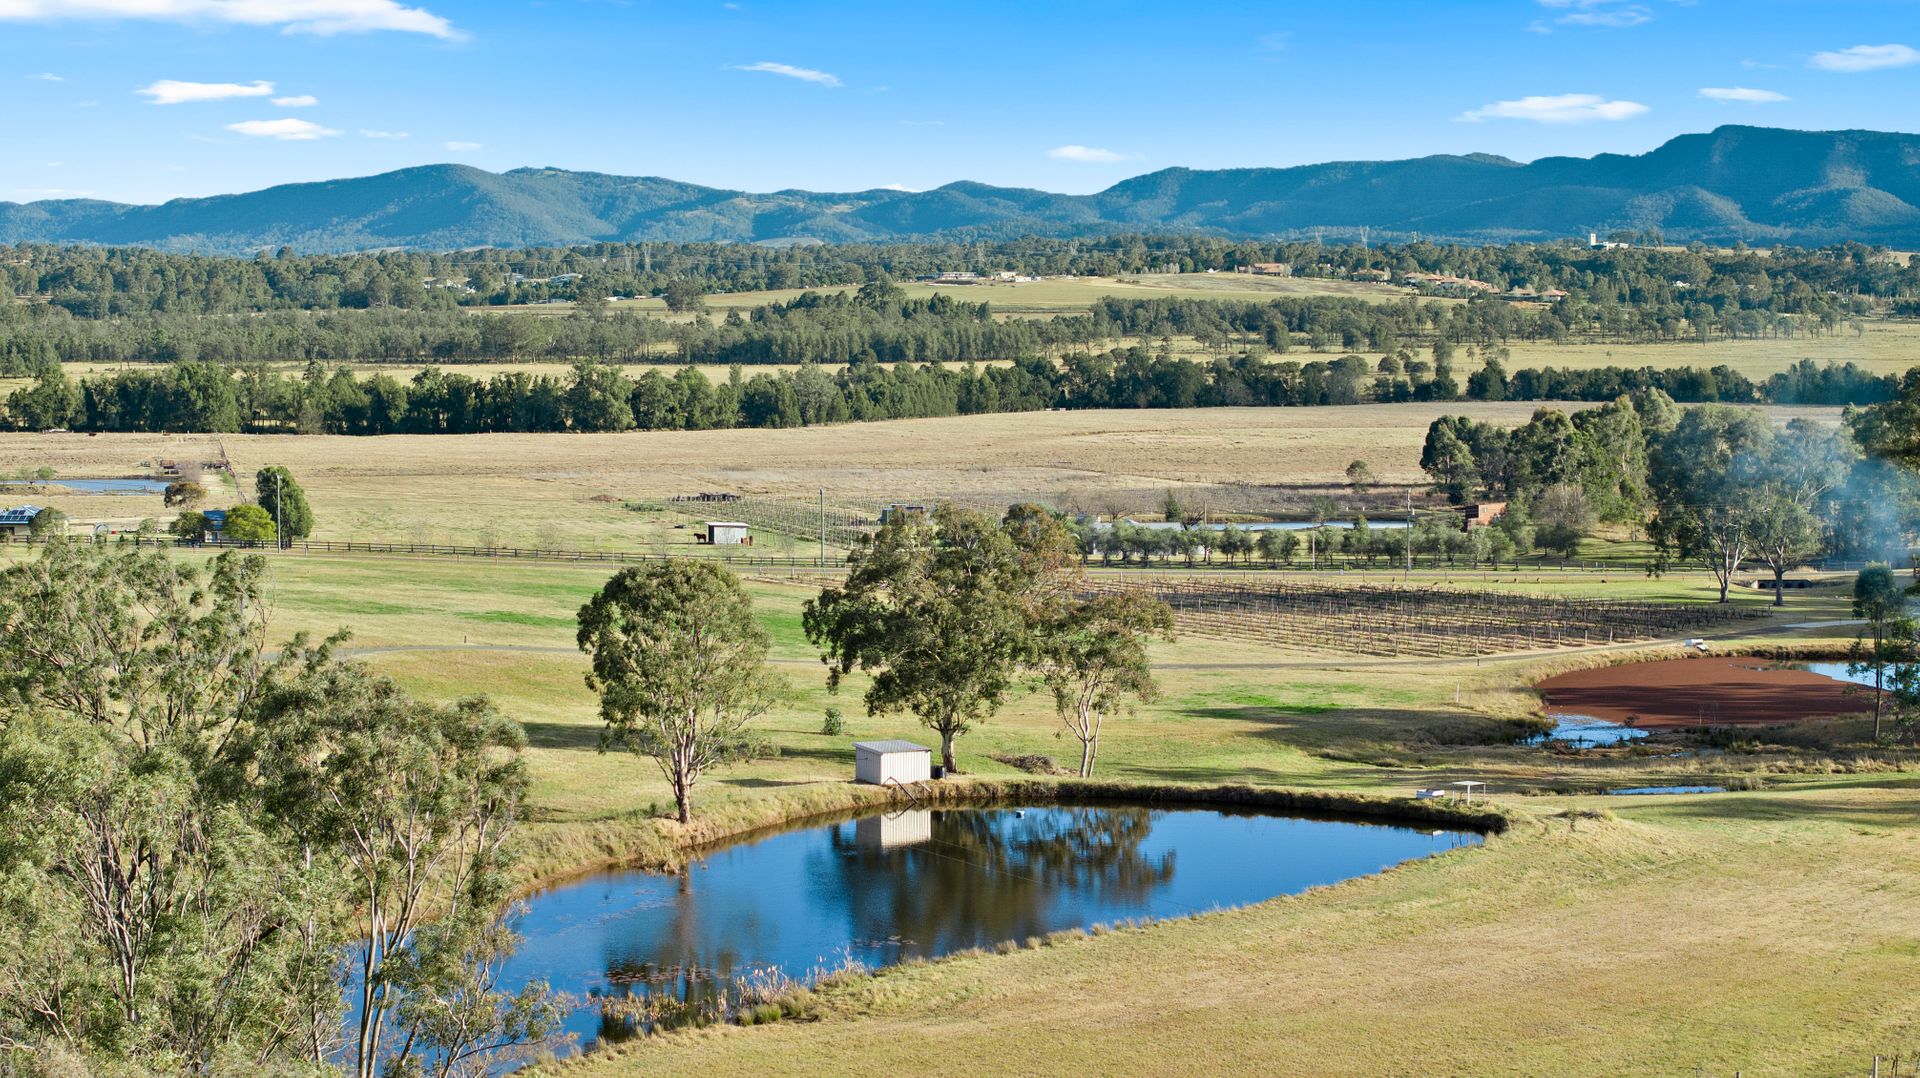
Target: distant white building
column 727, row 533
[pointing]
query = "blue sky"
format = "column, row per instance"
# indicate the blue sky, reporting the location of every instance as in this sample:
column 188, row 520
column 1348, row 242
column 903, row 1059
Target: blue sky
column 142, row 100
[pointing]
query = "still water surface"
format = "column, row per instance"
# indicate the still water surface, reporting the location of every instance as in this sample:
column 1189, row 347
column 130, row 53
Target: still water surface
column 881, row 888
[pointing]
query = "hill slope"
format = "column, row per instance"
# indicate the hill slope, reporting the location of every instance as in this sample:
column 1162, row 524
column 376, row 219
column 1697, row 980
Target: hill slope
column 1760, row 185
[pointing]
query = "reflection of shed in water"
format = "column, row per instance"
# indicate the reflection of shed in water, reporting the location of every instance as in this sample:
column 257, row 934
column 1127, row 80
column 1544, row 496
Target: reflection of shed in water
column 895, row 830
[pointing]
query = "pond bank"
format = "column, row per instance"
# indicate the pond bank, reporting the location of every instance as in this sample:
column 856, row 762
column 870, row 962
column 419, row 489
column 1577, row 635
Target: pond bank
column 553, row 853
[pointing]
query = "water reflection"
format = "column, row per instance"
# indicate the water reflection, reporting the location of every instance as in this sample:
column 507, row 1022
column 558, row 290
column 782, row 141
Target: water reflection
column 648, row 949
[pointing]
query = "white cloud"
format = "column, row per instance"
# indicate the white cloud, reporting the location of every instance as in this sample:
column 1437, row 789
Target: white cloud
column 1742, row 93
column 804, row 74
column 46, row 76
column 292, row 16
column 1866, row 58
column 459, row 147
column 897, row 187
column 175, row 92
column 1556, row 109
column 1088, row 155
column 287, row 130
column 1611, row 14
column 302, row 101
column 391, row 135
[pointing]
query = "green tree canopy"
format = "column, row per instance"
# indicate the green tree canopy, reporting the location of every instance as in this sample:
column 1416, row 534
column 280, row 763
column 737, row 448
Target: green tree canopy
column 679, row 662
column 935, row 610
column 278, row 493
column 249, row 525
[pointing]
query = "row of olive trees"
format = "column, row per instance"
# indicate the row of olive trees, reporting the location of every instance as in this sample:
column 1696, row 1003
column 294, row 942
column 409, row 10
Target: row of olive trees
column 204, row 843
column 948, row 614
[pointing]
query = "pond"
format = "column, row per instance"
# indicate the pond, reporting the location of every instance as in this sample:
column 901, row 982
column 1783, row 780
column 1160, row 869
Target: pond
column 1839, row 671
column 1636, row 791
column 877, row 889
column 112, row 486
column 1586, row 732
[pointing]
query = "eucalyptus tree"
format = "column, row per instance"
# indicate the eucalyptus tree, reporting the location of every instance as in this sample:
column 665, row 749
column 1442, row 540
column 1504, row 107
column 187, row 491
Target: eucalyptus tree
column 934, row 609
column 413, row 803
column 1880, row 601
column 1092, row 657
column 679, row 662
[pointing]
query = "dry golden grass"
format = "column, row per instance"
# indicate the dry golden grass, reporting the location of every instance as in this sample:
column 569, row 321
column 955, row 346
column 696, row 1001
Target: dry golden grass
column 570, row 489
column 1748, row 933
column 1883, row 348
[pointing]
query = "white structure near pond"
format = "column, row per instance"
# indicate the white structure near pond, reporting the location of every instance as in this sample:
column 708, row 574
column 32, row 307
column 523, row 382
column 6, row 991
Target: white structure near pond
column 891, row 763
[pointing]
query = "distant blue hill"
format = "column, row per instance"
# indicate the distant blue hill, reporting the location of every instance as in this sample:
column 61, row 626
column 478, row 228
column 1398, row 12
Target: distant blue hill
column 1753, row 184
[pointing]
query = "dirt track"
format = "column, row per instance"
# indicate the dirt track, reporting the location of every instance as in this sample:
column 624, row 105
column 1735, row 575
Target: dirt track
column 1702, row 692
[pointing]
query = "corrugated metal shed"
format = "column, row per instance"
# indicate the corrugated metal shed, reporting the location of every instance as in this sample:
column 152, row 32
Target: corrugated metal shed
column 891, row 763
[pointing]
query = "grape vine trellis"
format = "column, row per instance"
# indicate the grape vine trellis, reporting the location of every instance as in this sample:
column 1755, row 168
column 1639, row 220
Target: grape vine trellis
column 1395, row 621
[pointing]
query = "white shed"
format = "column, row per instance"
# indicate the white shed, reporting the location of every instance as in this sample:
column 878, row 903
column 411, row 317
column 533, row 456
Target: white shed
column 890, row 763
column 728, row 533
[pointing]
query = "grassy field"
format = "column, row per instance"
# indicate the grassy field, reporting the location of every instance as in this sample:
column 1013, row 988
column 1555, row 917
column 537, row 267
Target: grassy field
column 611, row 491
column 1049, row 296
column 1750, row 931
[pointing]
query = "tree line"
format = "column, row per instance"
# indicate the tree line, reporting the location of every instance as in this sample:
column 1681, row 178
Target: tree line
column 1712, row 485
column 596, row 397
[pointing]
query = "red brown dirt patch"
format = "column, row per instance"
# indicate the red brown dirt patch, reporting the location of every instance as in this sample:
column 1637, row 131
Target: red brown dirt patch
column 1701, row 692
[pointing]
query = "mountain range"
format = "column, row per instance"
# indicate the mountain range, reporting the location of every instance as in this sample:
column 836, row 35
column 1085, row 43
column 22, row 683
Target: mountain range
column 1752, row 184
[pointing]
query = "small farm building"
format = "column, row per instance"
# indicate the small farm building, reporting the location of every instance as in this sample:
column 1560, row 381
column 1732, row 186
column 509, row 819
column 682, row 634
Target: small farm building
column 727, row 533
column 17, row 523
column 1483, row 514
column 891, row 763
column 905, row 509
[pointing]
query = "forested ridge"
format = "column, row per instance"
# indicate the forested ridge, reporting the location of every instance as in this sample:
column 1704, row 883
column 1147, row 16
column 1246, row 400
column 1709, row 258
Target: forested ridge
column 1735, row 183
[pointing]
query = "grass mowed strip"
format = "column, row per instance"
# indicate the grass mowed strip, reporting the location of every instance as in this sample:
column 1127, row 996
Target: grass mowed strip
column 1740, row 932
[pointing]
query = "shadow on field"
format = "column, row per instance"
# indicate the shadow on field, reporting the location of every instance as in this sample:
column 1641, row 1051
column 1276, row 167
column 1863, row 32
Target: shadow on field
column 765, row 784
column 842, row 757
column 562, row 735
column 1316, row 728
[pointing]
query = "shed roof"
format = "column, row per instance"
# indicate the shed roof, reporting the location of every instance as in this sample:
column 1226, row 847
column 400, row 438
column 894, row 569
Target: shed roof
column 727, row 524
column 890, row 746
column 20, row 514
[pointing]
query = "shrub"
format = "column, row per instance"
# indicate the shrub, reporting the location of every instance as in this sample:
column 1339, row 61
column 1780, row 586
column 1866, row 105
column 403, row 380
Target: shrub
column 835, row 724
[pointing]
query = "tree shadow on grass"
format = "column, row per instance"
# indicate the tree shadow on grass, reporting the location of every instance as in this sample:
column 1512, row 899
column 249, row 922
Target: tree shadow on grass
column 562, row 735
column 1313, row 728
column 765, row 784
column 824, row 755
